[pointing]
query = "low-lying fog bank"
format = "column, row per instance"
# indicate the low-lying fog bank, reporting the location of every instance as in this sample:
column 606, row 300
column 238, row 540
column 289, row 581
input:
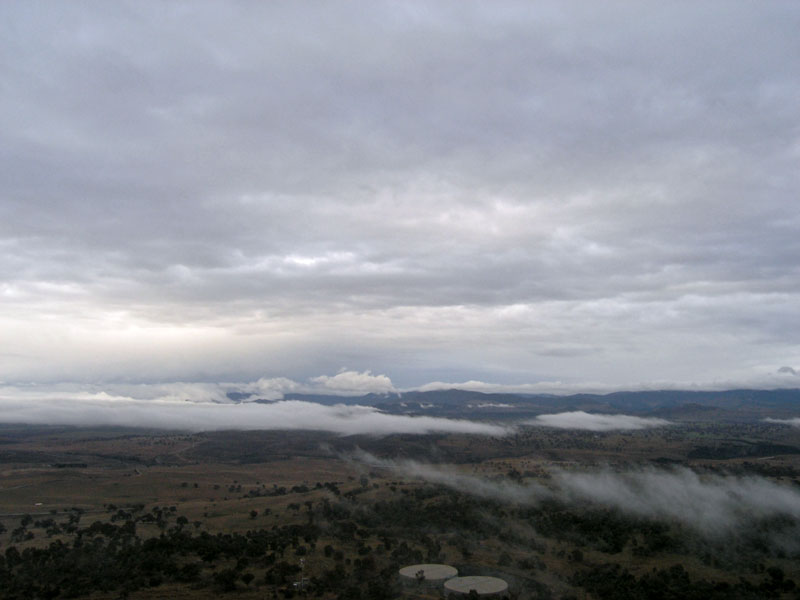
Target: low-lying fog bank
column 596, row 422
column 207, row 416
column 711, row 504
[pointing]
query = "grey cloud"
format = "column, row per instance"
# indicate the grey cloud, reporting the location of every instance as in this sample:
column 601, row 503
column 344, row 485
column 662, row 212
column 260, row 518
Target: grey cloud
column 555, row 186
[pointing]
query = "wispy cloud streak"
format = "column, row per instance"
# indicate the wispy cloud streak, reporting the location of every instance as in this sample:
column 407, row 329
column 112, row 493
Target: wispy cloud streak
column 713, row 505
column 449, row 477
column 595, row 422
column 793, row 422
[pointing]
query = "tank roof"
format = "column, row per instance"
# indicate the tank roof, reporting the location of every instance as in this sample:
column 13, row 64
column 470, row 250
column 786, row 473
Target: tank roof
column 482, row 585
column 432, row 572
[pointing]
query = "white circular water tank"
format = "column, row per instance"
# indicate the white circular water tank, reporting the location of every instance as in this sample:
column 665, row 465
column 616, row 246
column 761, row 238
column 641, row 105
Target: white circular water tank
column 430, row 572
column 484, row 586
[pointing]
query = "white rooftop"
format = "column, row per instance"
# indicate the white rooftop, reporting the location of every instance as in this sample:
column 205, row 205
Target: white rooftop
column 432, row 572
column 482, row 585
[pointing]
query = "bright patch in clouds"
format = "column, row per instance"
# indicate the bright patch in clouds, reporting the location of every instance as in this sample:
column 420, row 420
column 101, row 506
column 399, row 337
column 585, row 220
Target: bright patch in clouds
column 353, row 382
column 596, row 422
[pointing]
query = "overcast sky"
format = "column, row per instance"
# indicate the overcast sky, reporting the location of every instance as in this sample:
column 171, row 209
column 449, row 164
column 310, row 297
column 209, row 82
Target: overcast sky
column 554, row 194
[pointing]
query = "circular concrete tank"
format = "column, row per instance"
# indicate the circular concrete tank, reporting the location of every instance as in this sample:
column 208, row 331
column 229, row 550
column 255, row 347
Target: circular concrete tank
column 431, row 573
column 484, row 586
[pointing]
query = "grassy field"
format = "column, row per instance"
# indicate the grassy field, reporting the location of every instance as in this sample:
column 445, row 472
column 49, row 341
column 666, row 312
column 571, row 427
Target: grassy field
column 369, row 520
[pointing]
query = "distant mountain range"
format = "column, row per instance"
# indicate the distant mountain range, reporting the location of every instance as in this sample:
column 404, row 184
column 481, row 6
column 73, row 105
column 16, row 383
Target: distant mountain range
column 734, row 405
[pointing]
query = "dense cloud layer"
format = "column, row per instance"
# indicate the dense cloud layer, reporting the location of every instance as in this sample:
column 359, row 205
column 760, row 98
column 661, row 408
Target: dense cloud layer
column 713, row 505
column 102, row 409
column 555, row 192
column 596, row 422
